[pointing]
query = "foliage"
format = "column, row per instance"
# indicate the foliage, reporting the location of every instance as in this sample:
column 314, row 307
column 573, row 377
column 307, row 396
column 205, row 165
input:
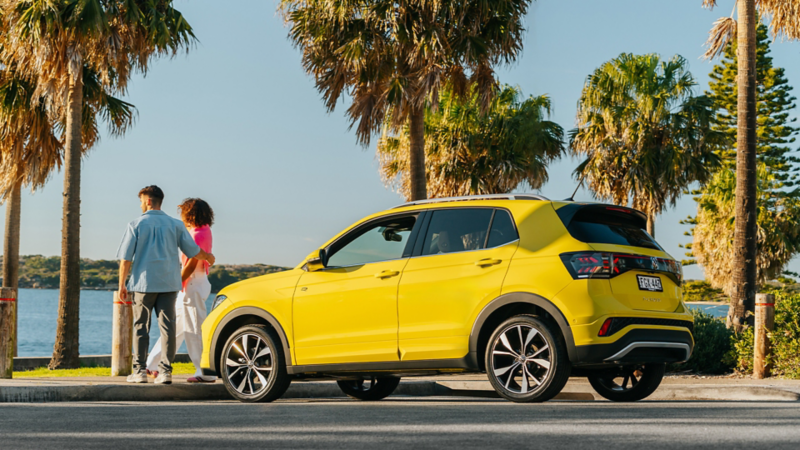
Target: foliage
column 40, row 272
column 712, row 350
column 644, row 135
column 394, row 55
column 774, row 102
column 785, row 338
column 743, row 350
column 701, row 291
column 778, row 228
column 468, row 152
column 32, row 143
column 50, row 41
column 775, row 132
column 784, row 22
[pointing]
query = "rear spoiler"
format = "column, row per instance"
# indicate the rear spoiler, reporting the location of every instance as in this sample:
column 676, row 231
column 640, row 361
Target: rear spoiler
column 568, row 211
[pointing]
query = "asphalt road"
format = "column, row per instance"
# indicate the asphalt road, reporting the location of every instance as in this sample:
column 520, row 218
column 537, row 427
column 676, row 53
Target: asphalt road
column 402, row 423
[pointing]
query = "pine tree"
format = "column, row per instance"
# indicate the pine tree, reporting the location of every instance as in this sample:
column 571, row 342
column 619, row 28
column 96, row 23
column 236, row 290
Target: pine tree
column 774, row 103
column 775, row 135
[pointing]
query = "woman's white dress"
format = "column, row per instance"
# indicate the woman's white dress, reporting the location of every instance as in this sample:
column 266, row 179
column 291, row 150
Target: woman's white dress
column 190, row 312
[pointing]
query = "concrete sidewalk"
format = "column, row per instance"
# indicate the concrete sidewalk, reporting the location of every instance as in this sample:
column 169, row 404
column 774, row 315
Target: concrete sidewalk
column 680, row 388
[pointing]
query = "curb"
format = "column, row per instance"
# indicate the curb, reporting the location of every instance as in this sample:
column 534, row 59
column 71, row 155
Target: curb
column 40, row 393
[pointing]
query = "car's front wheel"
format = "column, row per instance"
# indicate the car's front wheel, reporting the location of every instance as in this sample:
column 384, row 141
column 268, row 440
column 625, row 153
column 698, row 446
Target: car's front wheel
column 253, row 365
column 628, row 383
column 526, row 360
column 374, row 388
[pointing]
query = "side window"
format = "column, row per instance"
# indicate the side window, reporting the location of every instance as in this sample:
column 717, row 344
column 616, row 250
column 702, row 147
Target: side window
column 382, row 241
column 457, row 230
column 503, row 230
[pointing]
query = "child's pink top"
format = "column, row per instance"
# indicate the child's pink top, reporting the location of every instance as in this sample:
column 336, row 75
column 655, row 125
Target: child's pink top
column 202, row 237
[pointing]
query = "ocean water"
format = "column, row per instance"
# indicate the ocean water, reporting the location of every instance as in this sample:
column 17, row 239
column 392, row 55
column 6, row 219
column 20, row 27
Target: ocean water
column 37, row 311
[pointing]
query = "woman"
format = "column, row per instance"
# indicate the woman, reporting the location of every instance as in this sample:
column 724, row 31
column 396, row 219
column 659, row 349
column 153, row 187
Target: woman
column 190, row 309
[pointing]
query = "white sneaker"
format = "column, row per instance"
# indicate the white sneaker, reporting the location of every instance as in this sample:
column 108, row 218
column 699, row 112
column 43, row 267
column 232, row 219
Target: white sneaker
column 164, row 378
column 137, row 378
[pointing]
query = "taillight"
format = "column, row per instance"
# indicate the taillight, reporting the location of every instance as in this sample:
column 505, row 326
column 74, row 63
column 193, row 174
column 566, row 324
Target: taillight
column 588, row 265
column 608, row 265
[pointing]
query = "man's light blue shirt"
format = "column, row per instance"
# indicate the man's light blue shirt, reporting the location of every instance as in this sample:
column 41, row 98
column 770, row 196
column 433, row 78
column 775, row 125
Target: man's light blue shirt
column 152, row 243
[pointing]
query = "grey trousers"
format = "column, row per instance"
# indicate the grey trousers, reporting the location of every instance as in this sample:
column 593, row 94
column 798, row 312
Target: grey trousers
column 143, row 305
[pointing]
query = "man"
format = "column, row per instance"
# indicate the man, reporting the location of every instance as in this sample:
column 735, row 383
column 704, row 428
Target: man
column 149, row 252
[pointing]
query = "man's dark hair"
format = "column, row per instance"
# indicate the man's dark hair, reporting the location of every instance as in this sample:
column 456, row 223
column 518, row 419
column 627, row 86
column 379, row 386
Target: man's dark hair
column 154, row 192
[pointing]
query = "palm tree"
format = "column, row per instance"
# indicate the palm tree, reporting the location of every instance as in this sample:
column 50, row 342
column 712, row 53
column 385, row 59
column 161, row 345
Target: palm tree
column 52, row 43
column 392, row 57
column 644, row 135
column 469, row 152
column 784, row 21
column 30, row 150
column 778, row 228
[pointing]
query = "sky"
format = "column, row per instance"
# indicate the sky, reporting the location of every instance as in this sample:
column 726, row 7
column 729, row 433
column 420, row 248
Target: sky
column 237, row 122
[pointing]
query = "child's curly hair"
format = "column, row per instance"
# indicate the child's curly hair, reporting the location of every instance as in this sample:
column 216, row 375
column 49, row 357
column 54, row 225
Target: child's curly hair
column 196, row 212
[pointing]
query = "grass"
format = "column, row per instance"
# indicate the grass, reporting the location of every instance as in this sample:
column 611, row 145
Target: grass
column 44, row 372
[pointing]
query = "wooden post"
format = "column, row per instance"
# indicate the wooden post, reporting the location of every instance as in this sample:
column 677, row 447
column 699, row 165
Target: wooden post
column 8, row 327
column 765, row 323
column 122, row 336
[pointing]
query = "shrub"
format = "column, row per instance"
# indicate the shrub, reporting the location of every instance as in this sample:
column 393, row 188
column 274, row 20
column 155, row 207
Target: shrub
column 712, row 346
column 785, row 355
column 786, row 337
column 743, row 350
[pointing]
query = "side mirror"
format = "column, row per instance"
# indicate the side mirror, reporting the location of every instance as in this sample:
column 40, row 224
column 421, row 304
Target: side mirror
column 316, row 261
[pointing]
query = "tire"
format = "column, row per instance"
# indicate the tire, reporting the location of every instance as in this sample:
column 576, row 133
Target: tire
column 526, row 361
column 370, row 389
column 260, row 374
column 612, row 384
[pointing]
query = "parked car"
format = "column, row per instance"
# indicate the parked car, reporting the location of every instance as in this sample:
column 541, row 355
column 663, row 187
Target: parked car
column 527, row 290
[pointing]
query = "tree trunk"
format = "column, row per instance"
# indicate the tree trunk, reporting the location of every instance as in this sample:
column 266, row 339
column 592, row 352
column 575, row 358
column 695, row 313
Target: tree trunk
column 745, row 231
column 11, row 246
column 651, row 224
column 65, row 351
column 416, row 166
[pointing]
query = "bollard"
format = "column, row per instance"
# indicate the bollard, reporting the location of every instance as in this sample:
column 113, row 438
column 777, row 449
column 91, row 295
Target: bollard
column 765, row 323
column 8, row 327
column 122, row 336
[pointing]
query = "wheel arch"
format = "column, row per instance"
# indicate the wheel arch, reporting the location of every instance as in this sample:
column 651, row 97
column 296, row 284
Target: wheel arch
column 238, row 318
column 511, row 304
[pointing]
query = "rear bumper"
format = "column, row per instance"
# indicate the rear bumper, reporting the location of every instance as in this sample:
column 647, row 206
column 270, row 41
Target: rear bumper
column 639, row 345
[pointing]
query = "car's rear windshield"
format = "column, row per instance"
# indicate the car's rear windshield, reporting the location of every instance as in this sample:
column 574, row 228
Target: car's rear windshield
column 600, row 225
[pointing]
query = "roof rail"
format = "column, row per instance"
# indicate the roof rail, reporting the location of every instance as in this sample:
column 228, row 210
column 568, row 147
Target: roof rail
column 475, row 197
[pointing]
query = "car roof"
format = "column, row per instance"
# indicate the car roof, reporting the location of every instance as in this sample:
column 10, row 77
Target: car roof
column 467, row 198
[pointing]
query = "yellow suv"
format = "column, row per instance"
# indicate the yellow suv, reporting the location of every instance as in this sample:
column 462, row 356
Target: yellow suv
column 528, row 290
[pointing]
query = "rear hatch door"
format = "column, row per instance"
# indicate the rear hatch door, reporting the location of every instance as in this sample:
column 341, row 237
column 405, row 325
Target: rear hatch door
column 642, row 275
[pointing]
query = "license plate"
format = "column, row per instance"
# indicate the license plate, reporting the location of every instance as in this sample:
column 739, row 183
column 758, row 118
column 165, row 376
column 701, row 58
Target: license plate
column 652, row 284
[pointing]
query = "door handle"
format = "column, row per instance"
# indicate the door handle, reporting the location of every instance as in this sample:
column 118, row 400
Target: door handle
column 487, row 262
column 387, row 274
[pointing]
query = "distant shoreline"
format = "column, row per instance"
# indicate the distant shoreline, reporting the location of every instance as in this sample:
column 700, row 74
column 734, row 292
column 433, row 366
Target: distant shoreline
column 42, row 272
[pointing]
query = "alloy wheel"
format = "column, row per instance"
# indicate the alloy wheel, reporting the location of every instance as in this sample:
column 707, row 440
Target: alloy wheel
column 249, row 363
column 521, row 358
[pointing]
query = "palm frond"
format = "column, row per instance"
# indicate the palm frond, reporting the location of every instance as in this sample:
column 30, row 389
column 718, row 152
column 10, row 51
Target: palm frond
column 722, row 33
